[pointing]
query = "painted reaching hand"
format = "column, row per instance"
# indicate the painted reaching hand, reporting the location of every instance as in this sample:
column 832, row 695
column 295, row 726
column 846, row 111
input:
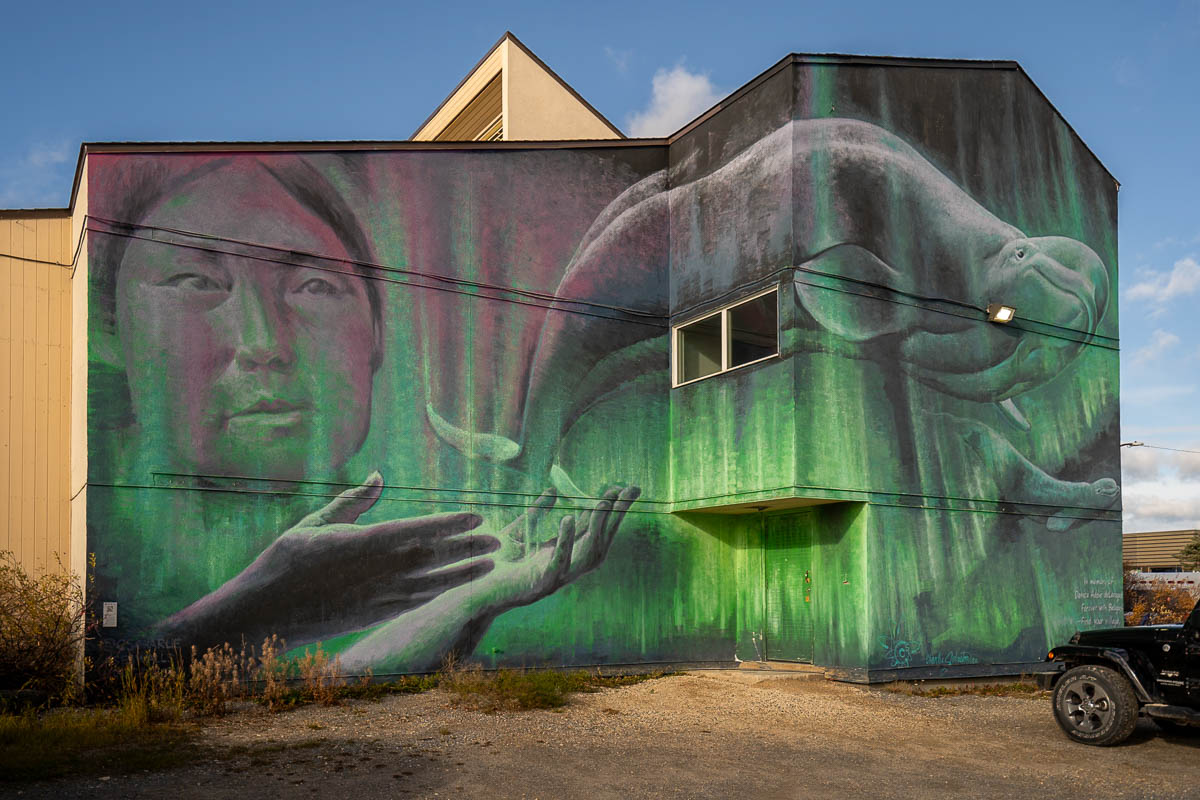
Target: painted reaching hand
column 328, row 575
column 528, row 566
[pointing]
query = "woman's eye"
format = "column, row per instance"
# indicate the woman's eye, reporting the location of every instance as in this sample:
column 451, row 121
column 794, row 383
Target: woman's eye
column 318, row 286
column 193, row 281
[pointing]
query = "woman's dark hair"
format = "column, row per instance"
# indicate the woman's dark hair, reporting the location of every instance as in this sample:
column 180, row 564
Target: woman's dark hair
column 151, row 184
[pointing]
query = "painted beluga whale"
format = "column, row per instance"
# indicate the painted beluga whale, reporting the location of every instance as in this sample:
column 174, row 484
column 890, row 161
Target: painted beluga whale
column 601, row 335
column 867, row 213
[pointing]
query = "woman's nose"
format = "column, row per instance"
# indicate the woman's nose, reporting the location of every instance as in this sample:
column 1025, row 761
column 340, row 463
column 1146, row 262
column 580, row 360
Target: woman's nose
column 260, row 330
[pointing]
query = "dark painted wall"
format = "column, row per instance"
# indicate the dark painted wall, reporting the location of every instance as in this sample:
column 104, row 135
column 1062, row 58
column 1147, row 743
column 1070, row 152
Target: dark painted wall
column 414, row 402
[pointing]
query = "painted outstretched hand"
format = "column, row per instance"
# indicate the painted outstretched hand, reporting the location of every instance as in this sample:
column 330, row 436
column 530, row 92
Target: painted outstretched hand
column 328, row 575
column 530, row 564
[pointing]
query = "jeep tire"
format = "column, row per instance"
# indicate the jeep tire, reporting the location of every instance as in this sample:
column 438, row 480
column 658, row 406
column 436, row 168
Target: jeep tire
column 1095, row 705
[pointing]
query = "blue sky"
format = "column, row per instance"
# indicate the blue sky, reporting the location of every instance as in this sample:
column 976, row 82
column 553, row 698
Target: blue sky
column 1126, row 75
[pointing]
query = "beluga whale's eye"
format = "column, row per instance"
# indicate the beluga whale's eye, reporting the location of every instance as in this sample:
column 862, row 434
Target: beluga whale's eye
column 1020, row 252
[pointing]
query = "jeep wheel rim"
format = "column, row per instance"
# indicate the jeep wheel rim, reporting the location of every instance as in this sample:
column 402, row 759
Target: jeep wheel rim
column 1088, row 706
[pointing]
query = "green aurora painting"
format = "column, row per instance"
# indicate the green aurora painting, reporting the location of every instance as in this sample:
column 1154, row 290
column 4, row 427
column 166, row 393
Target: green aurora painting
column 408, row 402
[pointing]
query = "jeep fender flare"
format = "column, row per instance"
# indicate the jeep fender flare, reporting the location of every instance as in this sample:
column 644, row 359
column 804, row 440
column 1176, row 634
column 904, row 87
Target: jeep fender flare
column 1074, row 655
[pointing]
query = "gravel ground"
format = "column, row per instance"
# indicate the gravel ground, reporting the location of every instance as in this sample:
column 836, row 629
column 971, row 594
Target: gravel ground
column 702, row 734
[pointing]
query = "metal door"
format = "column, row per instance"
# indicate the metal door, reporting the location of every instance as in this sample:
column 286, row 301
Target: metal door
column 787, row 562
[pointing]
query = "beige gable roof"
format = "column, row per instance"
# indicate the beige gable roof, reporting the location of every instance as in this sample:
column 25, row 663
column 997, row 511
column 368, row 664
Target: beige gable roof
column 511, row 95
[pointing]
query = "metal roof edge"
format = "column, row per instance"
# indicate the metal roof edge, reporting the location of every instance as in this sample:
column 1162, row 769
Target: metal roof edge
column 889, row 61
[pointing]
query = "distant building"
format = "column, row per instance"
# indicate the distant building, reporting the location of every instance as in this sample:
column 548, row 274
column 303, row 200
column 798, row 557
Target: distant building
column 1155, row 551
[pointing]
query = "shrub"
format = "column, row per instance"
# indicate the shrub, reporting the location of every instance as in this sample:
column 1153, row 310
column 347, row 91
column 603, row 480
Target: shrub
column 1158, row 605
column 218, row 676
column 274, row 673
column 1189, row 556
column 42, row 628
column 321, row 675
column 510, row 689
column 151, row 692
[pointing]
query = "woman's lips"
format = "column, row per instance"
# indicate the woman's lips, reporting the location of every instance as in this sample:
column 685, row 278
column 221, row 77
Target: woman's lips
column 268, row 414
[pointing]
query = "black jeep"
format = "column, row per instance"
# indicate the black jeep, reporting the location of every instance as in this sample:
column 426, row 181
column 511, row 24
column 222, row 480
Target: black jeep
column 1108, row 676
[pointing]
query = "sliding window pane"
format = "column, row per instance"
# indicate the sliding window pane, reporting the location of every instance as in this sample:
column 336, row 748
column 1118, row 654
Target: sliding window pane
column 754, row 330
column 699, row 348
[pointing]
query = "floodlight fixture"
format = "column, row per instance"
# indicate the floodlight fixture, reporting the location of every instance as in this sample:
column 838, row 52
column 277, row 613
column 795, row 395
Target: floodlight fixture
column 998, row 312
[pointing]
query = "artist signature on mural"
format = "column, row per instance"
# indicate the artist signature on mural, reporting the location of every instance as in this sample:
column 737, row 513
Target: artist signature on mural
column 901, row 652
column 950, row 658
column 898, row 651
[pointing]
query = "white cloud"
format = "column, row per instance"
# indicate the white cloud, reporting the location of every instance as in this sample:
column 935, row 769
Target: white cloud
column 1160, row 488
column 1150, row 511
column 678, row 97
column 1140, row 464
column 1161, row 505
column 1176, row 241
column 1143, row 431
column 619, row 58
column 1188, row 465
column 1154, row 394
column 1157, row 463
column 39, row 178
column 45, row 155
column 1162, row 287
column 1160, row 342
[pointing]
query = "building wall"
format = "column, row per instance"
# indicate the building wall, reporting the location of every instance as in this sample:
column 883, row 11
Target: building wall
column 79, row 359
column 35, row 384
column 1154, row 550
column 537, row 106
column 487, row 332
column 533, row 103
column 476, row 359
column 888, row 203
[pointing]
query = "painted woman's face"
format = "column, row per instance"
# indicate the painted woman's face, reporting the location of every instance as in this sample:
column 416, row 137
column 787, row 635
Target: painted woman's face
column 239, row 365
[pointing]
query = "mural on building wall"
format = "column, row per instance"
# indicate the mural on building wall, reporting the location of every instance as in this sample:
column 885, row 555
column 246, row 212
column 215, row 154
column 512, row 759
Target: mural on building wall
column 892, row 224
column 240, row 308
column 409, row 403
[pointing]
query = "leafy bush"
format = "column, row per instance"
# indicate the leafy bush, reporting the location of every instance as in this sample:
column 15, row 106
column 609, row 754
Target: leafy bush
column 1189, row 556
column 42, row 628
column 1158, row 605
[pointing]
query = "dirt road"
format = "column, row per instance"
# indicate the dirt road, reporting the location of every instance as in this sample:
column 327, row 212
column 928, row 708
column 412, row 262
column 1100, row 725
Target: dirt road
column 704, row 734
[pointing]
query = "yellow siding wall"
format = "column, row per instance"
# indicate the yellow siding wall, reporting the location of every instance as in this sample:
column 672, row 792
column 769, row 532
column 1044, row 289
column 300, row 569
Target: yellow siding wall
column 78, row 360
column 36, row 249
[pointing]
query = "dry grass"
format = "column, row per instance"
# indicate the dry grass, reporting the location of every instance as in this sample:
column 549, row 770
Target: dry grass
column 1019, row 688
column 77, row 741
column 522, row 690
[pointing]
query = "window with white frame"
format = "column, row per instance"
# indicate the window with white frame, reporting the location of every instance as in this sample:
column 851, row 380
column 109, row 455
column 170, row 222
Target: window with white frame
column 740, row 334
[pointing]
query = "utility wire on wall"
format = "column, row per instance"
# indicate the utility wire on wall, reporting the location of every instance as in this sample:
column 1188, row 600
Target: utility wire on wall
column 459, row 285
